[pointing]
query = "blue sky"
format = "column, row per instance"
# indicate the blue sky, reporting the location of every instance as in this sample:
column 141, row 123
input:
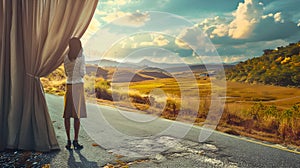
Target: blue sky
column 235, row 30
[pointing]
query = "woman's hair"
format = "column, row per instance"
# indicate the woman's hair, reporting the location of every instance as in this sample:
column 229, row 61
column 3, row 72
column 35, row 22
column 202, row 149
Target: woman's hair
column 74, row 48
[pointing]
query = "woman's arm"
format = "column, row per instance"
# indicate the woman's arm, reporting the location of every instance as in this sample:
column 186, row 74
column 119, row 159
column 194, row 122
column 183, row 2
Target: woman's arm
column 82, row 66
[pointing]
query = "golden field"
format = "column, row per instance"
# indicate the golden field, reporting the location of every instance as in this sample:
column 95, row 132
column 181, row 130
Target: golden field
column 265, row 112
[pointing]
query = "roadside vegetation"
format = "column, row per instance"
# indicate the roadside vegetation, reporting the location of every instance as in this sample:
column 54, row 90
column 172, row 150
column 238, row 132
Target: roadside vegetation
column 269, row 113
column 258, row 103
column 280, row 66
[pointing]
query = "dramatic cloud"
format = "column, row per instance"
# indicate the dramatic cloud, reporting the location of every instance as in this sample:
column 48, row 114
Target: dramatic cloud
column 290, row 8
column 247, row 15
column 130, row 19
column 249, row 23
column 239, row 29
column 114, row 16
column 220, row 30
column 102, row 42
column 158, row 40
column 192, row 38
column 247, row 49
column 91, row 30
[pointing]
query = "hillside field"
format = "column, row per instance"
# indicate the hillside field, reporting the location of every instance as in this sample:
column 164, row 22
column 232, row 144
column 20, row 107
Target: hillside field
column 265, row 112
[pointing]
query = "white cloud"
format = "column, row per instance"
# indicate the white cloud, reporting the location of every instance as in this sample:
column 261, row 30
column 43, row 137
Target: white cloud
column 249, row 23
column 93, row 27
column 247, row 15
column 160, row 40
column 298, row 23
column 239, row 25
column 115, row 2
column 128, row 19
column 278, row 17
column 146, row 43
column 211, row 23
column 100, row 12
column 101, row 42
column 194, row 38
column 156, row 40
column 114, row 16
column 188, row 38
column 180, row 43
column 267, row 16
column 220, row 30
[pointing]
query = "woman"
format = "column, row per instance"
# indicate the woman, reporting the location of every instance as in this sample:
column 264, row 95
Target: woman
column 75, row 107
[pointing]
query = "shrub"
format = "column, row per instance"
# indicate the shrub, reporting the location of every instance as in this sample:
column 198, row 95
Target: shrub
column 98, row 87
column 138, row 98
column 103, row 93
column 256, row 112
column 171, row 109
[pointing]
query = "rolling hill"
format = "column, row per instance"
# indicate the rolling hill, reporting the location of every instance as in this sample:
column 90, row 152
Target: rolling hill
column 124, row 74
column 280, row 66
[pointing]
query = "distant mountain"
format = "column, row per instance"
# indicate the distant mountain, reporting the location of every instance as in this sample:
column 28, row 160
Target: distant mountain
column 92, row 62
column 146, row 62
column 128, row 76
column 280, row 66
column 111, row 63
column 143, row 63
column 233, row 63
column 104, row 63
column 96, row 70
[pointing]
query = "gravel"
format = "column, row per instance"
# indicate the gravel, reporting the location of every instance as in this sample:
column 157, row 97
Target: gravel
column 16, row 158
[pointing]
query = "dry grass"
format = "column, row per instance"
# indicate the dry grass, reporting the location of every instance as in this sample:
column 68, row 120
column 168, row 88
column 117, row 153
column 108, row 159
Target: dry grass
column 249, row 93
column 242, row 114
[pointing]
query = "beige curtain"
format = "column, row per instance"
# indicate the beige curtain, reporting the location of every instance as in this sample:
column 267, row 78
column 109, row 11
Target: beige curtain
column 34, row 39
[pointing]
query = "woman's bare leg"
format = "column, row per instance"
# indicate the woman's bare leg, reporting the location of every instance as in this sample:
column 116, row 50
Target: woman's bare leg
column 67, row 127
column 76, row 128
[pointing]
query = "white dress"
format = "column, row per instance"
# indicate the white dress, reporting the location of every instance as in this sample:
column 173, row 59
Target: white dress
column 75, row 70
column 75, row 106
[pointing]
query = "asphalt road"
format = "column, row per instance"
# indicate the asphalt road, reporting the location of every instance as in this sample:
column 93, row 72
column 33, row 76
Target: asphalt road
column 146, row 141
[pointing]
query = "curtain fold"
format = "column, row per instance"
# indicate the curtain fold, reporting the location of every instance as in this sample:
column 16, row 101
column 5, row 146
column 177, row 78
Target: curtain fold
column 34, row 39
column 5, row 25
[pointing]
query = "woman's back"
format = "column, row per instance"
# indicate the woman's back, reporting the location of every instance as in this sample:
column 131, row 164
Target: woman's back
column 75, row 69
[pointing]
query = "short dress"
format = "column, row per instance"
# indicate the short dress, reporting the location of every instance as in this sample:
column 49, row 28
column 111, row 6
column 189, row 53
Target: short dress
column 75, row 106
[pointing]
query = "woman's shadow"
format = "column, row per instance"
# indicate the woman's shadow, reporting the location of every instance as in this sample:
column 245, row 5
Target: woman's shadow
column 83, row 161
